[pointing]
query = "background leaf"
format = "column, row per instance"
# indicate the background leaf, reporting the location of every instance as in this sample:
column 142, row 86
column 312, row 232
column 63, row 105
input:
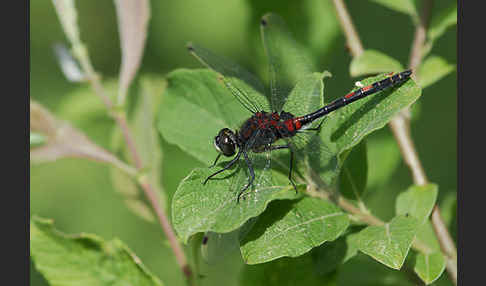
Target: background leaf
column 402, row 6
column 286, row 271
column 347, row 126
column 383, row 158
column 432, row 70
column 84, row 259
column 442, row 21
column 37, row 139
column 430, row 266
column 389, row 244
column 292, row 228
column 417, row 201
column 331, row 255
column 354, row 173
column 373, row 62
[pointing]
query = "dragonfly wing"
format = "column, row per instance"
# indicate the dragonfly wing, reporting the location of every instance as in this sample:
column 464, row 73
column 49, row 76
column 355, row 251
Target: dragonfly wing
column 287, row 60
column 246, row 87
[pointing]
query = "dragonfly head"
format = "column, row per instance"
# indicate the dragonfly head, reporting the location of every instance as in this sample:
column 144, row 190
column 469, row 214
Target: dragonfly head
column 225, row 142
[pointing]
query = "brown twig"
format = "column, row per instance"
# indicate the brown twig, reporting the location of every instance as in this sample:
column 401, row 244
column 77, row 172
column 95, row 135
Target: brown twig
column 149, row 191
column 400, row 125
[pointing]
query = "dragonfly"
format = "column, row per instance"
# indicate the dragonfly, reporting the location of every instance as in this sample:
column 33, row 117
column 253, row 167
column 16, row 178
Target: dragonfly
column 265, row 129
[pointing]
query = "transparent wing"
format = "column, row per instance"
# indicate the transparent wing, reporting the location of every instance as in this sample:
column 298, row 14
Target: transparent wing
column 247, row 88
column 311, row 158
column 287, row 60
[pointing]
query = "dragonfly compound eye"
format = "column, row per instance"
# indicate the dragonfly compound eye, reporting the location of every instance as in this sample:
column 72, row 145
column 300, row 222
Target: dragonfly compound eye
column 225, row 142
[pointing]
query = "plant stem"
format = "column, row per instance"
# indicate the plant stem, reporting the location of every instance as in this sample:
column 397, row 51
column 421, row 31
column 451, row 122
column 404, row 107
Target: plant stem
column 400, row 125
column 149, row 191
column 352, row 37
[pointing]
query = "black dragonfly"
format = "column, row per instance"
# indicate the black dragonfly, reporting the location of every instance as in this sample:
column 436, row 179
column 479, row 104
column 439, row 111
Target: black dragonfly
column 260, row 132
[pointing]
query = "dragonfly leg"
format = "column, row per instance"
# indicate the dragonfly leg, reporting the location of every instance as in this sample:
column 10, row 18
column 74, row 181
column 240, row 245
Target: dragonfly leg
column 252, row 175
column 290, row 168
column 277, row 147
column 235, row 159
column 215, row 161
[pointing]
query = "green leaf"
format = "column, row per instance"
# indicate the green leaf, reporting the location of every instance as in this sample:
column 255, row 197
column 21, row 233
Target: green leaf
column 383, row 157
column 432, row 70
column 37, row 139
column 417, row 201
column 402, row 6
column 373, row 62
column 354, row 173
column 286, row 271
column 292, row 228
column 191, row 209
column 364, row 271
column 84, row 259
column 288, row 61
column 214, row 207
column 210, row 107
column 347, row 126
column 430, row 266
column 448, row 208
column 331, row 255
column 206, row 105
column 390, row 243
column 442, row 21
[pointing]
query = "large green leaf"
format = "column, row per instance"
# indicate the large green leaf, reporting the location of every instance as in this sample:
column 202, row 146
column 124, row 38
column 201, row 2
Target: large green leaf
column 390, row 243
column 292, row 228
column 347, row 126
column 432, row 70
column 192, row 211
column 84, row 259
column 195, row 106
column 373, row 62
column 206, row 106
column 214, row 207
column 417, row 201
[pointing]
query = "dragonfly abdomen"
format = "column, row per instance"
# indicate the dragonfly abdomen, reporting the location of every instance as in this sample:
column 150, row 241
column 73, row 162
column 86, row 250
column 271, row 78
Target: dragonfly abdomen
column 390, row 81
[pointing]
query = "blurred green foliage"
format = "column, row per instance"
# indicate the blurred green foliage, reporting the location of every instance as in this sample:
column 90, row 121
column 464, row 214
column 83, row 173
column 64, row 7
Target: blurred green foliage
column 78, row 194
